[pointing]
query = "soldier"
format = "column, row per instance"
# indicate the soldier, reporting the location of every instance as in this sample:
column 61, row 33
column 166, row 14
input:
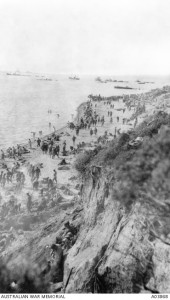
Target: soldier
column 91, row 131
column 57, row 150
column 55, row 176
column 30, row 143
column 95, row 130
column 74, row 139
column 37, row 172
column 57, row 263
column 95, row 171
column 38, row 142
column 29, row 202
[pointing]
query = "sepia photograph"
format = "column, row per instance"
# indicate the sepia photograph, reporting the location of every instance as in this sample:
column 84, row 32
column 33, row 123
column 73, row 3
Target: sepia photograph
column 85, row 147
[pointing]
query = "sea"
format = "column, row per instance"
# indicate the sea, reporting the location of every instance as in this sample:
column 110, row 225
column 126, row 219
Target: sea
column 25, row 101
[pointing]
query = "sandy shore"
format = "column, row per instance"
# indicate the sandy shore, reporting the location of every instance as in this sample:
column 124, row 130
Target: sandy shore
column 27, row 226
column 37, row 157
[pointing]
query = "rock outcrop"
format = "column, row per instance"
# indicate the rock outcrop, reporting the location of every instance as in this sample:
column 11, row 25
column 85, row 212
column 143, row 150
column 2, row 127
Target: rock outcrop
column 114, row 251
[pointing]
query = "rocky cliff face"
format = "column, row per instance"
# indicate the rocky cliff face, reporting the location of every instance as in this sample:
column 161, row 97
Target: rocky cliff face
column 114, row 251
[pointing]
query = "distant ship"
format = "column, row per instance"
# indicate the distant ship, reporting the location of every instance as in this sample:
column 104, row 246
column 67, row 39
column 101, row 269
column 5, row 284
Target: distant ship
column 74, row 78
column 14, row 74
column 45, row 79
column 123, row 87
column 108, row 80
column 144, row 82
column 111, row 80
column 100, row 80
column 140, row 82
column 17, row 73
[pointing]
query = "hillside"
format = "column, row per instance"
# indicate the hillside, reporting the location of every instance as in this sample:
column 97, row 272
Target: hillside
column 124, row 243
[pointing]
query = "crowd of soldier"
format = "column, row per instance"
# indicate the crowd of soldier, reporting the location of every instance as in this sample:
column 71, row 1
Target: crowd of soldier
column 12, row 176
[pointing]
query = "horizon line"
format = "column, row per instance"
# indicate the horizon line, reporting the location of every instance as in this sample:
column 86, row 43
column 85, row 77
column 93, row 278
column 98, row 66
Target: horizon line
column 85, row 74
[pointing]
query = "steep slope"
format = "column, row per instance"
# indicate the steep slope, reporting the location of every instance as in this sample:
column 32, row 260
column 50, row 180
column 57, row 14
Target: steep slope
column 115, row 252
column 123, row 243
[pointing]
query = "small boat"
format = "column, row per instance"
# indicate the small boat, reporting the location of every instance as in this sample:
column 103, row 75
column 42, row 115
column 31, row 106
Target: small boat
column 74, row 78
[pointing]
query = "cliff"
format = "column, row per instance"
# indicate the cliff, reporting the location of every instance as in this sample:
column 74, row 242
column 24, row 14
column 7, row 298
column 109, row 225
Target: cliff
column 115, row 252
column 120, row 250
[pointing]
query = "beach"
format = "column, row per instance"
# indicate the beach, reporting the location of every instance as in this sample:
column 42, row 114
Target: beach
column 37, row 157
column 25, row 234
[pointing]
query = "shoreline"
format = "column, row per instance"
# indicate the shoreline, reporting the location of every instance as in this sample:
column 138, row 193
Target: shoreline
column 57, row 131
column 35, row 155
column 79, row 111
column 25, row 144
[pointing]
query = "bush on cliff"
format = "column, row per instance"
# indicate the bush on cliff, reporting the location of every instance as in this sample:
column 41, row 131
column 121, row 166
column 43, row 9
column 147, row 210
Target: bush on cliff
column 84, row 158
column 113, row 149
column 119, row 146
column 82, row 161
column 28, row 279
column 145, row 178
column 152, row 124
column 5, row 279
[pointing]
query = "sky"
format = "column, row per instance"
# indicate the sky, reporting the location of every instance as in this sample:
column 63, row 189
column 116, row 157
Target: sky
column 123, row 37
